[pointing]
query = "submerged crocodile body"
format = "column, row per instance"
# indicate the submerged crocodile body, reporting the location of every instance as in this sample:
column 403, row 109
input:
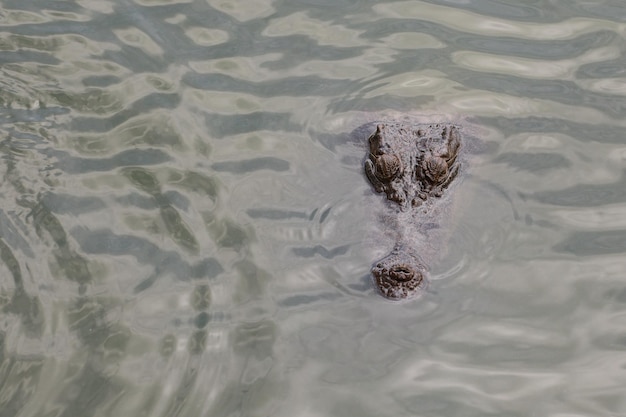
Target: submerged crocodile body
column 413, row 164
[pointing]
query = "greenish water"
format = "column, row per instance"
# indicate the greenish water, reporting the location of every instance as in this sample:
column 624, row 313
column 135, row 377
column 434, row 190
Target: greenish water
column 186, row 230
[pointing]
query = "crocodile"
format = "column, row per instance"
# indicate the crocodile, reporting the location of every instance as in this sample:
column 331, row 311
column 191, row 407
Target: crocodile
column 413, row 165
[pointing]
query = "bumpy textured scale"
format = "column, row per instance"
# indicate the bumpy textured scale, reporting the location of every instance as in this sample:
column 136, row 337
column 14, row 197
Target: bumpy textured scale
column 410, row 164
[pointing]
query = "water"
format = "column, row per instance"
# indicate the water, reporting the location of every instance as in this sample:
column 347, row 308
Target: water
column 185, row 228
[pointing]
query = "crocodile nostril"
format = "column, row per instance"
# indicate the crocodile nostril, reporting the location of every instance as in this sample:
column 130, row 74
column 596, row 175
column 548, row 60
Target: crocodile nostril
column 401, row 273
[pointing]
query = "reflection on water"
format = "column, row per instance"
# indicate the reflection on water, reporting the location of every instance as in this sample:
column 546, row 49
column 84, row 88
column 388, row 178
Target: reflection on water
column 185, row 227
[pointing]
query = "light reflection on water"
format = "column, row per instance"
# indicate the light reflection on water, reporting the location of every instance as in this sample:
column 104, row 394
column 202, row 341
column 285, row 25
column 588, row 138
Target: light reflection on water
column 185, row 227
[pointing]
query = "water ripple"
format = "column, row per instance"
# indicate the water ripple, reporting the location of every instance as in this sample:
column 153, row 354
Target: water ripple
column 185, row 228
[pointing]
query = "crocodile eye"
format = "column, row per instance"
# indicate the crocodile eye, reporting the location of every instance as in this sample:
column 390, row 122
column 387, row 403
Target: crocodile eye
column 387, row 166
column 436, row 168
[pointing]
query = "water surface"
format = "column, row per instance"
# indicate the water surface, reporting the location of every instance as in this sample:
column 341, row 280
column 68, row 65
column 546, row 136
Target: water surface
column 186, row 230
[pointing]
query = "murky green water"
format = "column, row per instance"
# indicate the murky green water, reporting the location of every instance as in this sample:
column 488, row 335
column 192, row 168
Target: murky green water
column 185, row 228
